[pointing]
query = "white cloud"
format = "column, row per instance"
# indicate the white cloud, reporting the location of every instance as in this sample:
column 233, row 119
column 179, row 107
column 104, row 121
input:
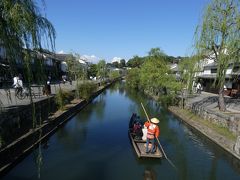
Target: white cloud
column 90, row 58
column 116, row 59
column 61, row 52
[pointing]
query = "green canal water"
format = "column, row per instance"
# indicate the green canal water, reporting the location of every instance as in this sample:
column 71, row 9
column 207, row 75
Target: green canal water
column 94, row 145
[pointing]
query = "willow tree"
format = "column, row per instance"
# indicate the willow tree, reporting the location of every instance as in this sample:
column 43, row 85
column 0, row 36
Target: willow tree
column 188, row 67
column 155, row 74
column 23, row 29
column 23, row 26
column 219, row 33
column 102, row 69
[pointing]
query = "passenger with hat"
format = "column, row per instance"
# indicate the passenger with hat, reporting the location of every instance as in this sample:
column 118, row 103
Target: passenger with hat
column 152, row 133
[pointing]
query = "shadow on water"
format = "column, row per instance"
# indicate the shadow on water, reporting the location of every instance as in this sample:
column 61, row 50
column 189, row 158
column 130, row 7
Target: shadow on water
column 149, row 174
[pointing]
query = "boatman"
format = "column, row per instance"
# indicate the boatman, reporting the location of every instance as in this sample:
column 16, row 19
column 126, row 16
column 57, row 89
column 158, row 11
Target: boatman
column 152, row 133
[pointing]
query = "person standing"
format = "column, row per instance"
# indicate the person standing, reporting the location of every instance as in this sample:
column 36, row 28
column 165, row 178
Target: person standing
column 153, row 132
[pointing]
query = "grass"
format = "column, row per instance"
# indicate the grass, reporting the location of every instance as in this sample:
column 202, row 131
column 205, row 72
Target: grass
column 217, row 128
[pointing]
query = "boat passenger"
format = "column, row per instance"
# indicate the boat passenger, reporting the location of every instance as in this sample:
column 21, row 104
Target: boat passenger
column 137, row 130
column 132, row 120
column 153, row 132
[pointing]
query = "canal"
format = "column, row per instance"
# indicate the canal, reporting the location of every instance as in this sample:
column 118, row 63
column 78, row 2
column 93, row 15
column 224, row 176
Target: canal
column 95, row 145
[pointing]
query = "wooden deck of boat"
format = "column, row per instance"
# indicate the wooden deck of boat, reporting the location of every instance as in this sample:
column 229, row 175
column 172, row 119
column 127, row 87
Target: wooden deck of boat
column 141, row 149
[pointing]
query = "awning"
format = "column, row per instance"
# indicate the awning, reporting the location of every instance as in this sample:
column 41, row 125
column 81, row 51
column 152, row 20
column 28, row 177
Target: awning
column 213, row 76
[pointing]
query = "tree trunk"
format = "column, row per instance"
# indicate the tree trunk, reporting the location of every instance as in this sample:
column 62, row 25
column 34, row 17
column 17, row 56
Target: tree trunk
column 221, row 102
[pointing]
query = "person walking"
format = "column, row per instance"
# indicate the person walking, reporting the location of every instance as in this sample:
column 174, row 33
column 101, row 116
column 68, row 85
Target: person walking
column 18, row 84
column 48, row 86
column 153, row 132
column 199, row 88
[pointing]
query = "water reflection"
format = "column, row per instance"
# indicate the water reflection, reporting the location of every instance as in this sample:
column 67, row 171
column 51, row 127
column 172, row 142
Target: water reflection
column 150, row 174
column 73, row 136
column 97, row 107
column 95, row 145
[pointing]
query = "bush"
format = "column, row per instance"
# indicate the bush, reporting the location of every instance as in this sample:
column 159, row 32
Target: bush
column 86, row 89
column 168, row 100
column 62, row 98
column 114, row 75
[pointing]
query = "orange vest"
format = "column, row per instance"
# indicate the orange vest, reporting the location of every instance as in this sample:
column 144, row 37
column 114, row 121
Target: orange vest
column 153, row 130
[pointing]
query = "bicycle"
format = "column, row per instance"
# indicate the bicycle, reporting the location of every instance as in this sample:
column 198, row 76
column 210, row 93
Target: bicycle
column 22, row 92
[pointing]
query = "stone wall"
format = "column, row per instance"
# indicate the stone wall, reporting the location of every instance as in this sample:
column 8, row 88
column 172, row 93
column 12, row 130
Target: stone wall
column 18, row 149
column 16, row 121
column 207, row 108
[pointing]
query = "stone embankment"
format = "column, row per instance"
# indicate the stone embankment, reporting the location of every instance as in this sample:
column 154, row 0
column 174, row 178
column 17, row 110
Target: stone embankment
column 205, row 107
column 19, row 121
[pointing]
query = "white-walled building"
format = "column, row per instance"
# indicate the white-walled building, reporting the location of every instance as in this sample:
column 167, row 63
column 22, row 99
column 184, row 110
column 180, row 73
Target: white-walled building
column 208, row 72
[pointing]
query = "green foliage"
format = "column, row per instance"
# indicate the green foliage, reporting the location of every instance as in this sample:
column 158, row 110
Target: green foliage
column 62, row 98
column 155, row 76
column 86, row 89
column 187, row 68
column 102, row 69
column 136, row 61
column 122, row 63
column 156, row 52
column 168, row 100
column 24, row 29
column 75, row 69
column 22, row 25
column 92, row 71
column 133, row 78
column 114, row 74
column 218, row 35
column 115, row 64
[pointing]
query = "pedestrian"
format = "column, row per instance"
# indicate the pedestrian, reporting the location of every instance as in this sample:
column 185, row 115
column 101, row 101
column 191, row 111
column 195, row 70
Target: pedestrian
column 199, row 88
column 49, row 85
column 15, row 81
column 64, row 78
column 18, row 84
column 153, row 132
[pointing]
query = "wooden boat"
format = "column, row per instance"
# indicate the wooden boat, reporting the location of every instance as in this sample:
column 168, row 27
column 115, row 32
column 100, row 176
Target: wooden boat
column 140, row 146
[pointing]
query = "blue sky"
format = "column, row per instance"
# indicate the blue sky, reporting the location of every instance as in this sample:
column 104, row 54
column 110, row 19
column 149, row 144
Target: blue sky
column 123, row 28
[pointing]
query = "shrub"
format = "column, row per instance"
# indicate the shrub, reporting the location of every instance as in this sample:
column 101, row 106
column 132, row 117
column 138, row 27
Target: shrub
column 168, row 100
column 114, row 75
column 63, row 98
column 86, row 89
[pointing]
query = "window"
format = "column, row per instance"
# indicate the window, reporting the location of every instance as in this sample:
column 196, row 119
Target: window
column 214, row 70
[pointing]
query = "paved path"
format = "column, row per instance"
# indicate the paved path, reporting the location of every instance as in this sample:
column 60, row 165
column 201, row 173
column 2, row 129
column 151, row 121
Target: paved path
column 8, row 98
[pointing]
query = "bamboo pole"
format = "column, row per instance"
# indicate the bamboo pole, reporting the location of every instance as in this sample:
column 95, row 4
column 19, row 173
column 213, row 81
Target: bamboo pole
column 159, row 141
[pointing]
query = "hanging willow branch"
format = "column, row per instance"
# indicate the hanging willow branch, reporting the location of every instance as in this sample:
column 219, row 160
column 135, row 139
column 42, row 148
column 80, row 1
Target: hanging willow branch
column 218, row 36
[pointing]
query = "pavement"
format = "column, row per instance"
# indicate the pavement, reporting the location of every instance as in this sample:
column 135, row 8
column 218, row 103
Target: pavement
column 8, row 98
column 210, row 101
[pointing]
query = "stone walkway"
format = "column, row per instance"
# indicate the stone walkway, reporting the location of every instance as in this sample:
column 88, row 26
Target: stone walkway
column 209, row 101
column 9, row 100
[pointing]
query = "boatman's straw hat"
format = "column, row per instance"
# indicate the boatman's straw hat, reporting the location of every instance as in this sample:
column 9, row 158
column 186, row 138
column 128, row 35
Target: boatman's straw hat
column 155, row 120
